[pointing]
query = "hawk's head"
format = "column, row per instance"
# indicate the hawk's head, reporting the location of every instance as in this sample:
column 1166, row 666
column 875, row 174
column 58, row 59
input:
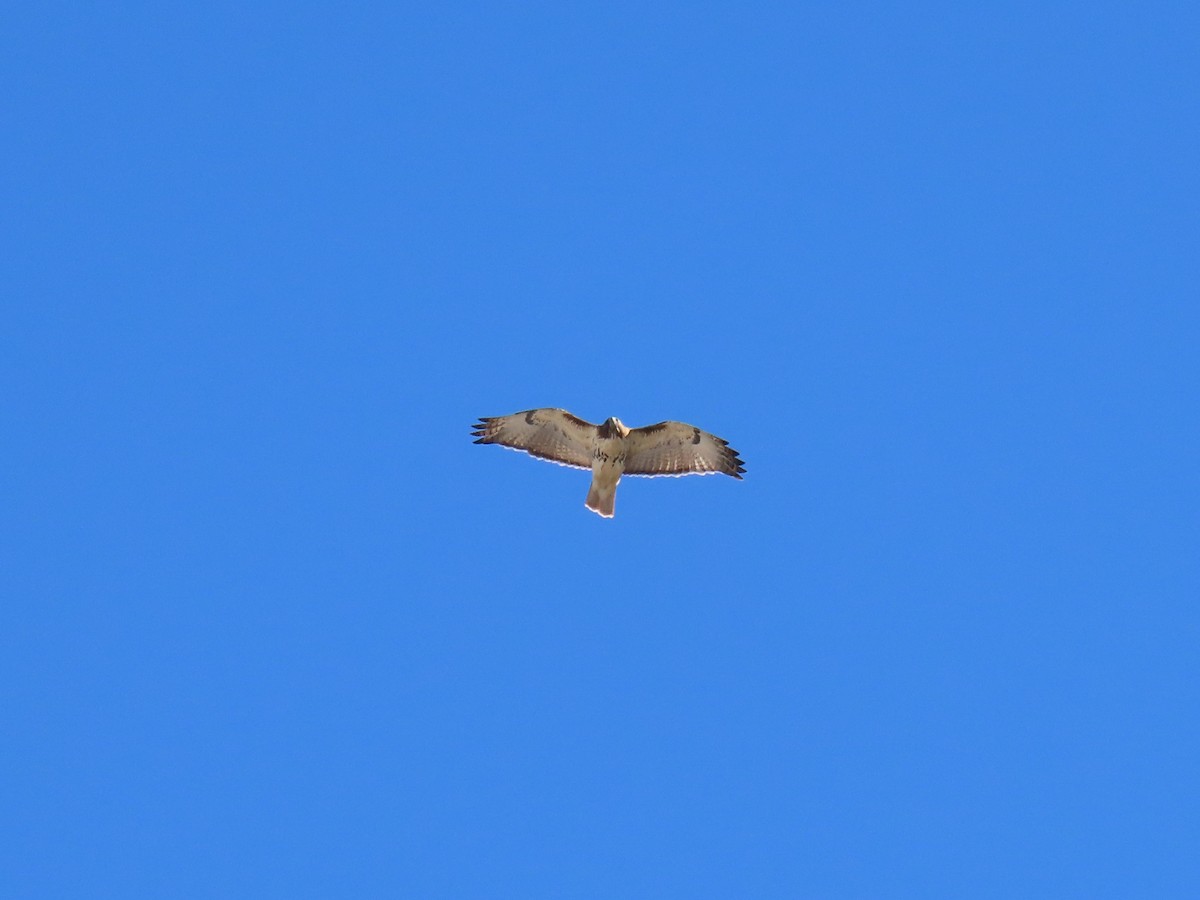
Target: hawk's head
column 613, row 427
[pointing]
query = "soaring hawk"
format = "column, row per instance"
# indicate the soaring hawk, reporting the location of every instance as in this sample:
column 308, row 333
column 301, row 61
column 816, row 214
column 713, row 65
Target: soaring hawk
column 611, row 450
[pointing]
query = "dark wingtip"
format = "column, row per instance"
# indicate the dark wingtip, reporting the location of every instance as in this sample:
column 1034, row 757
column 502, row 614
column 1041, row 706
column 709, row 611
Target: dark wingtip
column 737, row 464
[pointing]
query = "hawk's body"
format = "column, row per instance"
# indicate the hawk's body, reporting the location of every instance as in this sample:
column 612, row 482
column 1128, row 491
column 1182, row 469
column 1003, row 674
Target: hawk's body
column 611, row 450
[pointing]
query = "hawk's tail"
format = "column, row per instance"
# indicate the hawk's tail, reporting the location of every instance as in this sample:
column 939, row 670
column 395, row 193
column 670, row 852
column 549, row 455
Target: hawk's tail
column 601, row 501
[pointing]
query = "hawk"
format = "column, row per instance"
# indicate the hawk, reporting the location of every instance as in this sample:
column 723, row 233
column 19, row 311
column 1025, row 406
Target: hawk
column 611, row 450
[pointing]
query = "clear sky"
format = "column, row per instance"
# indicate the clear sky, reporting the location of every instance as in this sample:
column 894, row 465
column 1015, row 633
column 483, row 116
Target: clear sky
column 272, row 626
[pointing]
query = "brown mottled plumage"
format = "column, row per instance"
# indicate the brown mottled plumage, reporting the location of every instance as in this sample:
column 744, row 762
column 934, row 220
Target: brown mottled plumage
column 611, row 450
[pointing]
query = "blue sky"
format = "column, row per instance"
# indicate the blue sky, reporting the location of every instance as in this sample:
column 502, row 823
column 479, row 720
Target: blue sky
column 272, row 624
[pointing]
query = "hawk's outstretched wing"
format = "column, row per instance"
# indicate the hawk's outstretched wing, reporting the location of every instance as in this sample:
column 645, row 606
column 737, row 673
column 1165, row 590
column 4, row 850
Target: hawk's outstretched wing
column 673, row 448
column 552, row 434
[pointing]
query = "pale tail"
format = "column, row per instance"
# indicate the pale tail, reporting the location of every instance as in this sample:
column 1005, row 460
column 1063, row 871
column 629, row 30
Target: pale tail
column 601, row 501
